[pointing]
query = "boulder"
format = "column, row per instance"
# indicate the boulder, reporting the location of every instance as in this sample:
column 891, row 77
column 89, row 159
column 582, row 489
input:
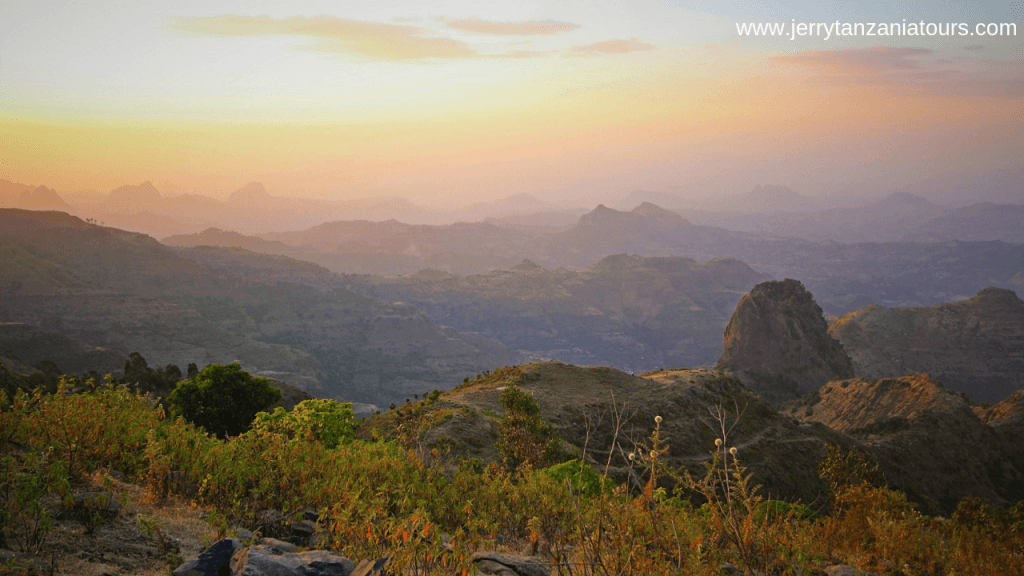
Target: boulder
column 266, row 560
column 214, row 561
column 103, row 502
column 501, row 564
column 371, row 568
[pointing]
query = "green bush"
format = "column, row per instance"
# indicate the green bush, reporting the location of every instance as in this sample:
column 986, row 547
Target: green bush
column 585, row 480
column 325, row 421
column 223, row 399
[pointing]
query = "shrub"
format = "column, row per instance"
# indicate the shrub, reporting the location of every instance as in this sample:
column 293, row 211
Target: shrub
column 223, row 399
column 525, row 437
column 325, row 421
column 585, row 481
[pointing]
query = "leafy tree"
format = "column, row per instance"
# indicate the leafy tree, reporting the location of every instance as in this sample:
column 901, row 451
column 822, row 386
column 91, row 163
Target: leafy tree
column 325, row 421
column 525, row 437
column 223, row 399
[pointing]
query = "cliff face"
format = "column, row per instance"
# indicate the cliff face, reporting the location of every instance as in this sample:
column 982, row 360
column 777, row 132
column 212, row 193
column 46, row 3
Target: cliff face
column 975, row 346
column 929, row 441
column 777, row 342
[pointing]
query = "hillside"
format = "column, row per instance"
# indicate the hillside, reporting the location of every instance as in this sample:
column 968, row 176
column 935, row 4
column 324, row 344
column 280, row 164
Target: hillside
column 580, row 404
column 975, row 345
column 928, row 439
column 633, row 313
column 278, row 317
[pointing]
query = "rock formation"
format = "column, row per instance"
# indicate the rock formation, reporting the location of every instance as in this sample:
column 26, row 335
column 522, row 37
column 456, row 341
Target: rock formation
column 929, row 441
column 777, row 342
column 975, row 346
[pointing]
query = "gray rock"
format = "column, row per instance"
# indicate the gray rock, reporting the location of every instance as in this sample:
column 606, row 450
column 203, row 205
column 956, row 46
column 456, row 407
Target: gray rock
column 103, row 502
column 279, row 544
column 214, row 561
column 269, row 561
column 303, row 528
column 244, row 535
column 501, row 564
column 371, row 568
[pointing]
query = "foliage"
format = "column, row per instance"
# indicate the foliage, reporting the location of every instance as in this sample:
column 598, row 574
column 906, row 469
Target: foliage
column 145, row 379
column 325, row 421
column 24, row 481
column 842, row 470
column 223, row 399
column 381, row 498
column 584, row 479
column 525, row 437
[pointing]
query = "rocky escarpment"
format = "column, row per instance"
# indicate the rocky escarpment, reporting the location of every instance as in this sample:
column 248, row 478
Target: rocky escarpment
column 975, row 346
column 929, row 441
column 777, row 342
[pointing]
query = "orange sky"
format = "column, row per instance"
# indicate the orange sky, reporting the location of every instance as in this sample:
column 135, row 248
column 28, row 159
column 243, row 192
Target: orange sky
column 461, row 109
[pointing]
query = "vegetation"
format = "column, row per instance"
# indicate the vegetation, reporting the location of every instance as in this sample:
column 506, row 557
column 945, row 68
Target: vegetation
column 383, row 498
column 223, row 399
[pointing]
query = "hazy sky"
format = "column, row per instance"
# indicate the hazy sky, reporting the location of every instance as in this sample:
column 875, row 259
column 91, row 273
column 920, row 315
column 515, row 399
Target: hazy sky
column 449, row 102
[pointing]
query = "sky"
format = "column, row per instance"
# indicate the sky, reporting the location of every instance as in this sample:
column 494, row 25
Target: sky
column 450, row 102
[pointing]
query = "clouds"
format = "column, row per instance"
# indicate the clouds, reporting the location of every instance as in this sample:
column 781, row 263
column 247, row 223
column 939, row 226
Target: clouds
column 613, row 47
column 522, row 28
column 399, row 40
column 373, row 40
column 873, row 59
column 919, row 69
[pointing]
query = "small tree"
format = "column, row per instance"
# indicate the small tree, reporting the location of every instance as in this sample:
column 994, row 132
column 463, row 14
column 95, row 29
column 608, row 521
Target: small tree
column 223, row 399
column 525, row 437
column 325, row 421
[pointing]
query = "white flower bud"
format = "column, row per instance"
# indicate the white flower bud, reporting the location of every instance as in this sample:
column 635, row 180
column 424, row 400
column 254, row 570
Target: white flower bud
column 732, row 450
column 718, row 442
column 632, row 456
column 657, row 419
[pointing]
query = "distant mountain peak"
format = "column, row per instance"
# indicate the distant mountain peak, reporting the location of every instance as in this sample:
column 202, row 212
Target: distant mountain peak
column 143, row 191
column 249, row 192
column 527, row 265
column 649, row 210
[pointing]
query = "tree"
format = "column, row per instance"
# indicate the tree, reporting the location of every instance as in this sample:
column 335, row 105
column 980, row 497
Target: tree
column 525, row 437
column 223, row 399
column 325, row 421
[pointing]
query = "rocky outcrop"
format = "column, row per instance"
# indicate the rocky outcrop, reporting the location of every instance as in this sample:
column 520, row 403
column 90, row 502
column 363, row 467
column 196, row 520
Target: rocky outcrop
column 929, row 440
column 975, row 346
column 856, row 406
column 263, row 560
column 777, row 342
column 501, row 564
column 214, row 561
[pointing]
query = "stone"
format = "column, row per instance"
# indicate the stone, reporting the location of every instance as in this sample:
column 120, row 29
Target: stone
column 279, row 544
column 265, row 560
column 371, row 568
column 103, row 502
column 502, row 564
column 303, row 528
column 214, row 561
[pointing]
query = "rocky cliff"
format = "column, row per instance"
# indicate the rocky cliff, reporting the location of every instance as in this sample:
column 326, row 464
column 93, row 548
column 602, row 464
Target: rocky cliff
column 929, row 441
column 975, row 345
column 777, row 342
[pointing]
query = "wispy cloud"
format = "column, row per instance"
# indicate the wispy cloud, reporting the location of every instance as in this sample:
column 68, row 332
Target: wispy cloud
column 914, row 68
column 876, row 58
column 374, row 40
column 521, row 28
column 613, row 47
